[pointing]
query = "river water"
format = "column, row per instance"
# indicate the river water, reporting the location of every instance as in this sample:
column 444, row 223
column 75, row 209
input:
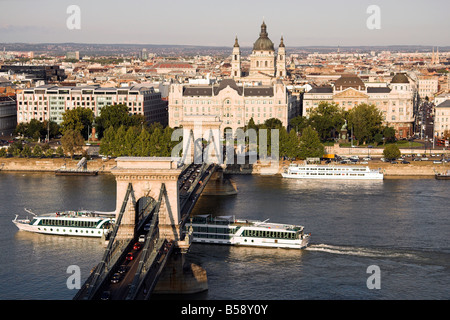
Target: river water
column 401, row 227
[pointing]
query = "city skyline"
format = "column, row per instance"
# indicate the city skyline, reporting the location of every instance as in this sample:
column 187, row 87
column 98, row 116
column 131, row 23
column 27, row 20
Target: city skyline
column 202, row 23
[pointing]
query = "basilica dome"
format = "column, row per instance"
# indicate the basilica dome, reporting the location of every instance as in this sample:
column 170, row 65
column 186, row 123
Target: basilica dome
column 263, row 43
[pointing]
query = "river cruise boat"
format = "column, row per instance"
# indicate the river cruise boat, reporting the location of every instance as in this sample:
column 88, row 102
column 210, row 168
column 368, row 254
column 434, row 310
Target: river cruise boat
column 231, row 231
column 69, row 223
column 350, row 172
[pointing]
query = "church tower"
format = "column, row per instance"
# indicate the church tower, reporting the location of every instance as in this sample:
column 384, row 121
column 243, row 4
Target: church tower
column 236, row 61
column 281, row 60
column 262, row 59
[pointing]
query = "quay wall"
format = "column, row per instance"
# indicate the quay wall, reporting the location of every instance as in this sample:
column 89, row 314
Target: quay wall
column 415, row 168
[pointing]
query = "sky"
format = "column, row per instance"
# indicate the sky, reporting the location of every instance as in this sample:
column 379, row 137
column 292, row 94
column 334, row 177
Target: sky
column 217, row 23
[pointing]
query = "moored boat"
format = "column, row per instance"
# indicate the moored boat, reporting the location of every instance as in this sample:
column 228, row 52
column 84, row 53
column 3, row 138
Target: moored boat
column 231, row 231
column 443, row 176
column 70, row 223
column 312, row 171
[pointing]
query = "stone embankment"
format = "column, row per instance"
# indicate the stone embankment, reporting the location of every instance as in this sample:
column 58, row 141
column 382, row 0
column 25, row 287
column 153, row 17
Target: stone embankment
column 414, row 169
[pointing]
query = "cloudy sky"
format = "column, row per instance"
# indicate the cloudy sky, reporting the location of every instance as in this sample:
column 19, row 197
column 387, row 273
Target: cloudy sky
column 216, row 23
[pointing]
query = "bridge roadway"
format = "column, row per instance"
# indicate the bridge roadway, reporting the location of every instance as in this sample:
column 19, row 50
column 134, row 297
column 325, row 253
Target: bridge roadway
column 191, row 182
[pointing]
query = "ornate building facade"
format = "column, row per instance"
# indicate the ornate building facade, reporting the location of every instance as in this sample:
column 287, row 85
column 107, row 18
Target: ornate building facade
column 395, row 100
column 260, row 95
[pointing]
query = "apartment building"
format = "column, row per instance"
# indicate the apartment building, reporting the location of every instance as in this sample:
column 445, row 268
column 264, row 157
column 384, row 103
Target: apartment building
column 50, row 102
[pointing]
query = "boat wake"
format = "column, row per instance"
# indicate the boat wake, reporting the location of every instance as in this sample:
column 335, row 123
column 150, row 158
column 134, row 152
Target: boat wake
column 358, row 251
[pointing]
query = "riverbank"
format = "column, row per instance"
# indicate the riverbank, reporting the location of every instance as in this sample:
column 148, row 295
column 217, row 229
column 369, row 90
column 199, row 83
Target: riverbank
column 414, row 169
column 52, row 164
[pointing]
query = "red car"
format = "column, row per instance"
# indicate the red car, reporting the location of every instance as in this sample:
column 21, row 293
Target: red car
column 130, row 256
column 137, row 246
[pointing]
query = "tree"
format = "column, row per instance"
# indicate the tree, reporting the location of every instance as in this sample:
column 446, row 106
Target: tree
column 289, row 143
column 78, row 119
column 327, row 119
column 389, row 134
column 37, row 151
column 130, row 142
column 59, row 152
column 107, row 142
column 26, row 151
column 112, row 116
column 3, row 153
column 310, row 145
column 391, row 152
column 72, row 142
column 366, row 122
column 142, row 143
column 118, row 145
column 298, row 123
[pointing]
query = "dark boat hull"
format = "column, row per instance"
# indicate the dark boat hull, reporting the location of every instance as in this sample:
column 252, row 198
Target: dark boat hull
column 75, row 173
column 442, row 177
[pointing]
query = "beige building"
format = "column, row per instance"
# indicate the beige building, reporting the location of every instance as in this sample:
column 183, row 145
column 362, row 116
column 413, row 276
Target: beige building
column 266, row 65
column 260, row 94
column 50, row 102
column 428, row 86
column 395, row 100
column 231, row 103
column 442, row 118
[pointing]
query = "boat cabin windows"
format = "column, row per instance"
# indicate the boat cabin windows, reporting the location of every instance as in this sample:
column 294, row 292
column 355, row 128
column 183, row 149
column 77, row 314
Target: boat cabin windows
column 269, row 234
column 68, row 223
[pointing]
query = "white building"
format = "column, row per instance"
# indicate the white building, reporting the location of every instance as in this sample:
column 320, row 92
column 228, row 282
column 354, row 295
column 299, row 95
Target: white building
column 49, row 102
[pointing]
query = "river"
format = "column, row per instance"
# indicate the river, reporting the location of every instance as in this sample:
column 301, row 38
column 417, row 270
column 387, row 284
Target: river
column 400, row 227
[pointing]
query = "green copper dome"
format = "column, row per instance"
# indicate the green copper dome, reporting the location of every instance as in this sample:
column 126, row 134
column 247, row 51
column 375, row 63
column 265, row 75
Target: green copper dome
column 400, row 78
column 263, row 43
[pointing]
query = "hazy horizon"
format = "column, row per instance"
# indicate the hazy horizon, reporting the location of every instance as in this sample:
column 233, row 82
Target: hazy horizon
column 214, row 24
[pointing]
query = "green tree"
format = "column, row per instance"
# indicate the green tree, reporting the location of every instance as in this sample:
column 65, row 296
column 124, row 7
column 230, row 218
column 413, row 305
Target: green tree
column 59, row 151
column 327, row 119
column 26, row 151
column 310, row 145
column 107, row 142
column 155, row 143
column 49, row 153
column 143, row 144
column 298, row 123
column 130, row 142
column 37, row 151
column 112, row 116
column 3, row 153
column 391, row 152
column 72, row 142
column 289, row 143
column 366, row 122
column 118, row 146
column 389, row 134
column 78, row 119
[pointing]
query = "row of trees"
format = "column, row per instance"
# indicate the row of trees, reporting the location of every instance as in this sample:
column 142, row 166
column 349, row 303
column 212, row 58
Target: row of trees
column 153, row 141
column 18, row 150
column 364, row 120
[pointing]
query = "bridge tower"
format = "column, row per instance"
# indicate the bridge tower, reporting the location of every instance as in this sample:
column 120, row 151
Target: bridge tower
column 147, row 175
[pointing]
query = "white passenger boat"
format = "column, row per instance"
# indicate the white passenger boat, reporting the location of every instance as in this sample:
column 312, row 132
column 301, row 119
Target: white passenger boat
column 228, row 230
column 350, row 172
column 69, row 223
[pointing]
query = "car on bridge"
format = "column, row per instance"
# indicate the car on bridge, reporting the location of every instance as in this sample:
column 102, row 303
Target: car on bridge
column 137, row 246
column 116, row 278
column 130, row 256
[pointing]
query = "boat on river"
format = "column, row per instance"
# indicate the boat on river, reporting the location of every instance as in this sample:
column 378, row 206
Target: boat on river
column 69, row 223
column 443, row 176
column 331, row 172
column 239, row 232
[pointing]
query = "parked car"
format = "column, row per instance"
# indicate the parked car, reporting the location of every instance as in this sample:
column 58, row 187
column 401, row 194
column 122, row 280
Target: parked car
column 405, row 162
column 437, row 161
